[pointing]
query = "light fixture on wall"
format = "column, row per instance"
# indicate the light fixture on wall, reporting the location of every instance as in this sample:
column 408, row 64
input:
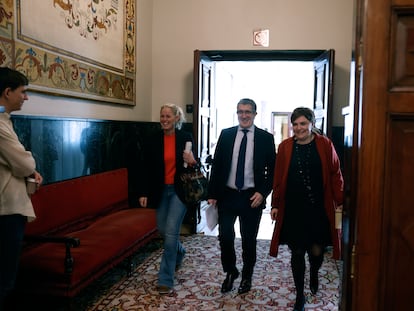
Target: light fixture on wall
column 261, row 37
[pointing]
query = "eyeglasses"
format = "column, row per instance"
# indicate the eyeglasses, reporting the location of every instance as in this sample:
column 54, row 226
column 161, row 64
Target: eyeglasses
column 247, row 112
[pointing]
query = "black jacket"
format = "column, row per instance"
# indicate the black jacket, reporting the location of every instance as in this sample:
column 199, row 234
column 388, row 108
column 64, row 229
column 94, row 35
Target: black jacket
column 151, row 173
column 264, row 154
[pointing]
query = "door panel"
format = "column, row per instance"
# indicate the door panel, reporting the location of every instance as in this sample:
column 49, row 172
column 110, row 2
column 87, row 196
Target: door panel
column 398, row 231
column 202, row 104
column 350, row 166
column 384, row 127
column 324, row 71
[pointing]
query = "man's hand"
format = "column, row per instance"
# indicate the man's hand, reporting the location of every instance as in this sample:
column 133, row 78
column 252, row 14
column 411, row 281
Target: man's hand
column 256, row 199
column 212, row 202
column 38, row 178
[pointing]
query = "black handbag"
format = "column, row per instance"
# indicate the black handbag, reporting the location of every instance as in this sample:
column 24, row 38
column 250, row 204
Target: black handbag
column 194, row 185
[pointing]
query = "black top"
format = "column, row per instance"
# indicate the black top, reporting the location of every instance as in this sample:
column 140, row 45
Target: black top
column 305, row 220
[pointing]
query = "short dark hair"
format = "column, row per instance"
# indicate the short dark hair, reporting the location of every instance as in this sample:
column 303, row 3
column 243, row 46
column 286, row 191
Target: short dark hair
column 11, row 78
column 303, row 112
column 248, row 101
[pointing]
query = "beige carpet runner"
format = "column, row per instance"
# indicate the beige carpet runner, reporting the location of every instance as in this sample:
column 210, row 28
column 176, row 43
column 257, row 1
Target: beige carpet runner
column 199, row 280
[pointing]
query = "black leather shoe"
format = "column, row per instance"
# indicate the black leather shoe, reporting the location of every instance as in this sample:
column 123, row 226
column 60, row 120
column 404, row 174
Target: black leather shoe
column 245, row 286
column 314, row 283
column 228, row 282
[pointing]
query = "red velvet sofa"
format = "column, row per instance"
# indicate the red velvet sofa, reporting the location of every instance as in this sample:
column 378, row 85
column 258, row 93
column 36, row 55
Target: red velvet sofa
column 84, row 227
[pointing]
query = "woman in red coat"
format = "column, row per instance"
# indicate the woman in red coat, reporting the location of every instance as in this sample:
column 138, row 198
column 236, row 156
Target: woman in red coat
column 307, row 190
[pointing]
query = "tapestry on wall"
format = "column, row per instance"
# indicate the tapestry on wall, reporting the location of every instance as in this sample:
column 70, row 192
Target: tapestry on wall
column 78, row 48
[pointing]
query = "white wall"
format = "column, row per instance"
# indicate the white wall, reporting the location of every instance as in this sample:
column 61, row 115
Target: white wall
column 182, row 26
column 168, row 31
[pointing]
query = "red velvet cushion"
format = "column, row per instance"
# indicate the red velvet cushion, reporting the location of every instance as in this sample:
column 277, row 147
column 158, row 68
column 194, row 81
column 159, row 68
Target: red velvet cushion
column 103, row 244
column 73, row 203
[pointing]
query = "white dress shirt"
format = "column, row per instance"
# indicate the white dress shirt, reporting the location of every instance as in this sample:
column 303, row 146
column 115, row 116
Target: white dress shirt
column 248, row 165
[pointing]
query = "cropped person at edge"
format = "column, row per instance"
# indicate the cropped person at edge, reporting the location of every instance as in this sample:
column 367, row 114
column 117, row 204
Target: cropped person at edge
column 16, row 164
column 164, row 158
column 307, row 191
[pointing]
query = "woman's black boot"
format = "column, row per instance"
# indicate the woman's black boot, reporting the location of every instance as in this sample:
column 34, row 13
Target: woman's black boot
column 314, row 281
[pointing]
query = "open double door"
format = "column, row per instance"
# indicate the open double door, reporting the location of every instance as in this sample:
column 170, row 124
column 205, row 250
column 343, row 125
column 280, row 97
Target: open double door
column 204, row 95
column 204, row 103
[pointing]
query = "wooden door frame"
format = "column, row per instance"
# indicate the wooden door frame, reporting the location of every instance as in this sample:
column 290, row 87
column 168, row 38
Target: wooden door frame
column 249, row 55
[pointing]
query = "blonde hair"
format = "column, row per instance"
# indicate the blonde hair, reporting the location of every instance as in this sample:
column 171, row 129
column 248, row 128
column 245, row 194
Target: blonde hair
column 177, row 111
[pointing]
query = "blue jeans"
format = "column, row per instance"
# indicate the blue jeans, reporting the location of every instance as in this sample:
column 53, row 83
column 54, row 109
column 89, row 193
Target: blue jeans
column 170, row 215
column 11, row 237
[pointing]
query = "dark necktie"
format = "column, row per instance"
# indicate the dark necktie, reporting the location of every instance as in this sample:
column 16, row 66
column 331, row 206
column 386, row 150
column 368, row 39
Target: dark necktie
column 240, row 161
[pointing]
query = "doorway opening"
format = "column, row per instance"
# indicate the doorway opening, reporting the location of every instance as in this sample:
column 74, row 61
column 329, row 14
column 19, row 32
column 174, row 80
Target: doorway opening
column 215, row 98
column 277, row 87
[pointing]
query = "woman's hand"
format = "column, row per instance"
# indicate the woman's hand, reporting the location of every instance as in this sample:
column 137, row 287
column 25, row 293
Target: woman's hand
column 188, row 157
column 338, row 217
column 273, row 213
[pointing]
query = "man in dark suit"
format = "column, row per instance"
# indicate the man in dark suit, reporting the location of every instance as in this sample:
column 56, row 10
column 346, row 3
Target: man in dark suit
column 241, row 192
